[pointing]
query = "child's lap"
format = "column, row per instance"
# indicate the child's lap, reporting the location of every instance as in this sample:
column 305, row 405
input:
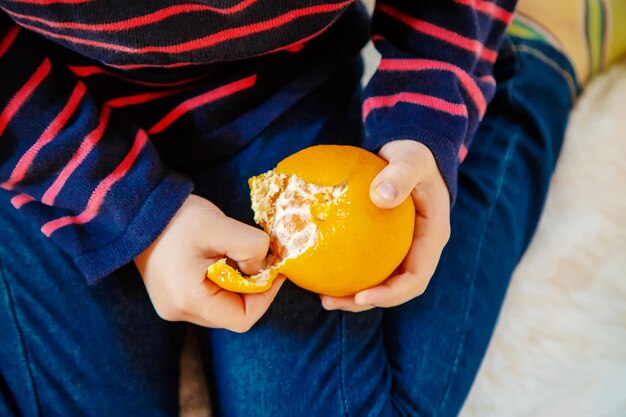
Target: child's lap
column 71, row 346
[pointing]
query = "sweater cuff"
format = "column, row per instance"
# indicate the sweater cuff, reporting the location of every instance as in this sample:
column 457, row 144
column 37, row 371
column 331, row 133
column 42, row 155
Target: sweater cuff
column 443, row 149
column 151, row 219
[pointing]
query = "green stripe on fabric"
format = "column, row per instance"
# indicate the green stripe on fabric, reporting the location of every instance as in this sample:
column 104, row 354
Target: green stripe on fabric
column 522, row 30
column 616, row 27
column 595, row 34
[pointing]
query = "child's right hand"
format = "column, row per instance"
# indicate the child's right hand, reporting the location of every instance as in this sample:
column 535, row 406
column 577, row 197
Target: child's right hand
column 174, row 268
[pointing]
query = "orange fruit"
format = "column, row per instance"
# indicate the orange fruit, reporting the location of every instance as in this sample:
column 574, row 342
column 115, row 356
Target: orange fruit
column 326, row 234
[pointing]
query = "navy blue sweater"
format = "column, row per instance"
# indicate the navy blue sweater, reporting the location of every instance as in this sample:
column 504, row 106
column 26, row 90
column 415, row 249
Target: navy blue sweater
column 104, row 103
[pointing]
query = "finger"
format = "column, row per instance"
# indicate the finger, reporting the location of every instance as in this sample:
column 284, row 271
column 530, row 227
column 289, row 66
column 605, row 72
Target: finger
column 420, row 265
column 257, row 304
column 343, row 303
column 432, row 231
column 356, row 309
column 219, row 308
column 396, row 181
column 240, row 242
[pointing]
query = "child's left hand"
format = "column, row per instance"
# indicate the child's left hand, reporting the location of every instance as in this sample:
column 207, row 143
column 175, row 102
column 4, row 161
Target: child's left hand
column 412, row 170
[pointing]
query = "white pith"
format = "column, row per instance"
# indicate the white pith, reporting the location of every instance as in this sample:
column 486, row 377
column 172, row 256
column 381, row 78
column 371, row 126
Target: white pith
column 290, row 209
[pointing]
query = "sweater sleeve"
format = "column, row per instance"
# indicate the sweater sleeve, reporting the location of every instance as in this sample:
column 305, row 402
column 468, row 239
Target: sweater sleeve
column 435, row 76
column 90, row 180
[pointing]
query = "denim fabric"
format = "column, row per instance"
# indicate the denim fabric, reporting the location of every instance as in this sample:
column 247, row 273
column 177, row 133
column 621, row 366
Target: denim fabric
column 67, row 349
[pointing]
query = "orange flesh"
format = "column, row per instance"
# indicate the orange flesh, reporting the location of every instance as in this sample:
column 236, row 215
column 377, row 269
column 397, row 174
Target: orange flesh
column 289, row 210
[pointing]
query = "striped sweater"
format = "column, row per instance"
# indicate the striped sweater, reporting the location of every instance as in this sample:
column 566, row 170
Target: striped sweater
column 107, row 105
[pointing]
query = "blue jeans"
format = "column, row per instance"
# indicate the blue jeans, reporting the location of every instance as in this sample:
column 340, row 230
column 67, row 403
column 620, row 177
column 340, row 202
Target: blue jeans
column 67, row 349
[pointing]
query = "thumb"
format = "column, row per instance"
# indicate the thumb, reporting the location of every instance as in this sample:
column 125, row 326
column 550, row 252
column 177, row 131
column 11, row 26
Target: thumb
column 398, row 179
column 242, row 243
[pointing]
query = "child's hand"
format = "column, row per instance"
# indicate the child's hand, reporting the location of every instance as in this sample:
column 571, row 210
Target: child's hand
column 174, row 268
column 412, row 170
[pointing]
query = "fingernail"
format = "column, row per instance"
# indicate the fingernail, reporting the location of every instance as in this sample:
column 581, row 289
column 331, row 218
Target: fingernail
column 360, row 300
column 386, row 191
column 327, row 305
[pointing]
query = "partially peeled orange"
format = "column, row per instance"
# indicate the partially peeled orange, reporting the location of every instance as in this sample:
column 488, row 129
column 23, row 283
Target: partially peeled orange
column 326, row 234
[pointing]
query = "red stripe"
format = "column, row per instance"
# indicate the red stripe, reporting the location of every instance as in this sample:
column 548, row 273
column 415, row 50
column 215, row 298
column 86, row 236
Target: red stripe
column 294, row 49
column 201, row 100
column 462, row 152
column 94, row 137
column 84, row 149
column 19, row 200
column 488, row 79
column 440, row 33
column 298, row 45
column 23, row 93
column 87, row 71
column 53, row 129
column 207, row 41
column 101, row 191
column 137, row 21
column 486, row 7
column 435, row 103
column 141, row 98
column 8, row 39
column 467, row 82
